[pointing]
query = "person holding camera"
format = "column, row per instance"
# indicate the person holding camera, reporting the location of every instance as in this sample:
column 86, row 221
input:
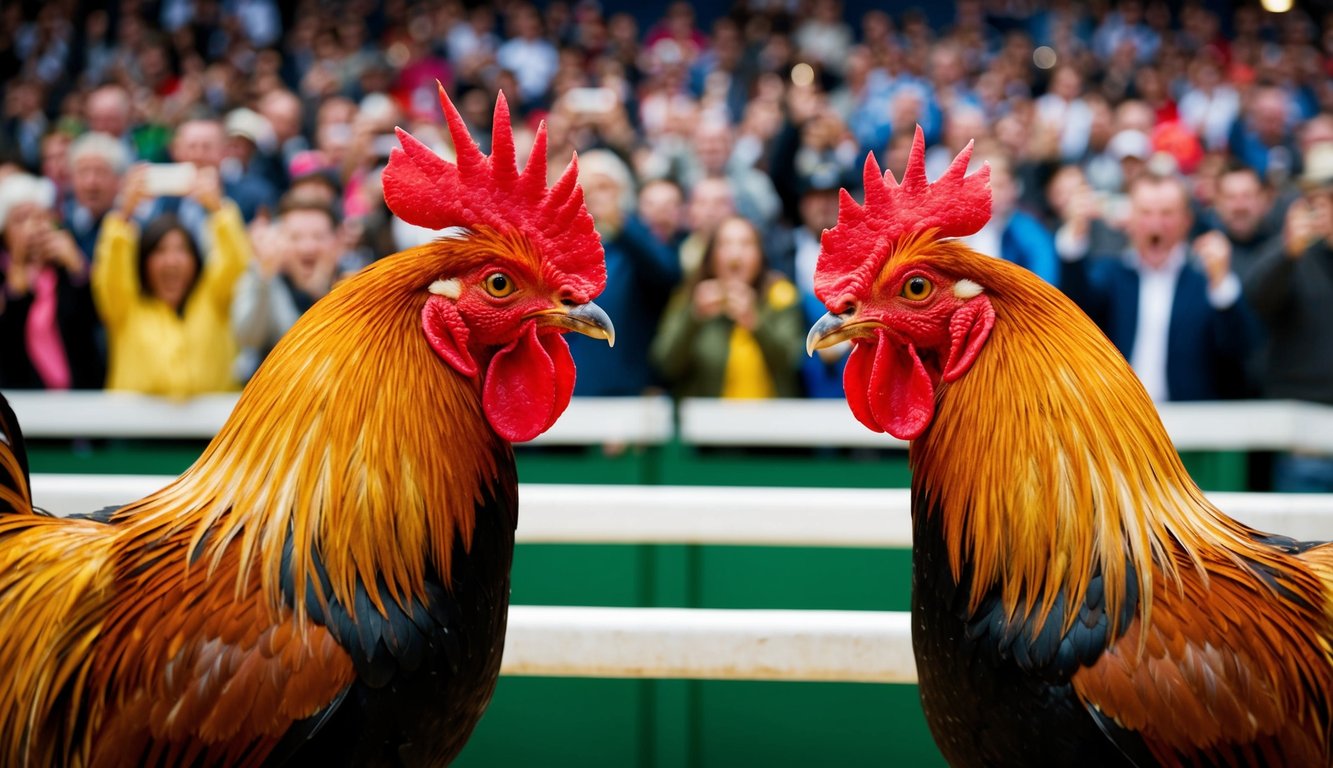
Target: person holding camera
column 48, row 326
column 1171, row 305
column 1291, row 289
column 166, row 305
column 735, row 330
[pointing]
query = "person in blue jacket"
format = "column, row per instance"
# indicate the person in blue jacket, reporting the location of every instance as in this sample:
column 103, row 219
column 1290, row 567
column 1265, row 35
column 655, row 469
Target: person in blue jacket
column 1173, row 308
column 641, row 272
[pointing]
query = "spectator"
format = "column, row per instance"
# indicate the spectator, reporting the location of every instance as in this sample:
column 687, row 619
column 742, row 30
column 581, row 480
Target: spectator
column 48, row 326
column 1172, row 310
column 736, row 330
column 96, row 164
column 165, row 306
column 244, row 167
column 662, row 209
column 295, row 264
column 529, row 56
column 1063, row 107
column 640, row 274
column 1209, row 105
column 1291, row 289
column 108, row 111
column 1013, row 234
column 1262, row 137
column 1241, row 212
column 821, row 373
column 711, row 201
column 754, row 195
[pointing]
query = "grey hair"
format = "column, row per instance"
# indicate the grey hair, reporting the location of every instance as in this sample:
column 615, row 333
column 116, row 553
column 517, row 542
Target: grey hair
column 609, row 164
column 100, row 145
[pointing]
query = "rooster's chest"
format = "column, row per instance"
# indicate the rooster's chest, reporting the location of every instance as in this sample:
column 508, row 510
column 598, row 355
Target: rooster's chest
column 986, row 700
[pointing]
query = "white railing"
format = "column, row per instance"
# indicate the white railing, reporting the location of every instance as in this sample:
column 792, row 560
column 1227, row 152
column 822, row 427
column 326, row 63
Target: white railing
column 588, row 421
column 1236, row 425
column 1212, row 426
column 828, row 646
column 668, row 514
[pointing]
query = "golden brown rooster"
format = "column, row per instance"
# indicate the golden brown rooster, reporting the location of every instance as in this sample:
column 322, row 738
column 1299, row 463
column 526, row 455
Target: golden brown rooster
column 328, row 583
column 1076, row 600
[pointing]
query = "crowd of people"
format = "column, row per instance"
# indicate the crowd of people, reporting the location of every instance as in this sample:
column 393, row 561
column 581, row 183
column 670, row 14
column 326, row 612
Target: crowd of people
column 180, row 180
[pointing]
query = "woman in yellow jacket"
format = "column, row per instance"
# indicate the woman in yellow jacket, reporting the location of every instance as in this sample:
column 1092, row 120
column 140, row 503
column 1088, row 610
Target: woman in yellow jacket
column 167, row 309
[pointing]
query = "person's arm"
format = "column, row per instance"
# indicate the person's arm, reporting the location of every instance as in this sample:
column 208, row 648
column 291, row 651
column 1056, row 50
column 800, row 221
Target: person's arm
column 658, row 264
column 780, row 330
column 229, row 258
column 251, row 309
column 1269, row 284
column 115, row 272
column 672, row 348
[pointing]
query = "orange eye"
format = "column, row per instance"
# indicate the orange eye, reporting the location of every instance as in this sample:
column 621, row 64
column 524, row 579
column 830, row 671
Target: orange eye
column 917, row 288
column 499, row 285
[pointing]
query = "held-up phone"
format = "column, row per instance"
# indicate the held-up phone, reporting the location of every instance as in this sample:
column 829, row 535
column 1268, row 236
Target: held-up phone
column 169, row 179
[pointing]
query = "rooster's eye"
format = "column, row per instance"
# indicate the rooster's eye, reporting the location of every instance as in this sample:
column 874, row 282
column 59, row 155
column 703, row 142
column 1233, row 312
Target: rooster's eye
column 499, row 285
column 917, row 288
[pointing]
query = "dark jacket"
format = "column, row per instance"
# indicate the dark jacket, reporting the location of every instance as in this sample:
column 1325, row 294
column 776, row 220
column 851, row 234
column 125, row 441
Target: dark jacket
column 80, row 330
column 1206, row 347
column 1294, row 300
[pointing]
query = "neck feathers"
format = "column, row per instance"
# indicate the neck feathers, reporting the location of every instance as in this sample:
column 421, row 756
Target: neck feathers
column 355, row 441
column 1048, row 464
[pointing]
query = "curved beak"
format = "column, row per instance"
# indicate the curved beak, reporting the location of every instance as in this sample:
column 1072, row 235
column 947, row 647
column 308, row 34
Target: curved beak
column 587, row 319
column 833, row 329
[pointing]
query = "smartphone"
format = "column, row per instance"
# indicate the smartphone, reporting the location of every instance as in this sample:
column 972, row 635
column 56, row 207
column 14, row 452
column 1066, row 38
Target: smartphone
column 170, row 179
column 596, row 101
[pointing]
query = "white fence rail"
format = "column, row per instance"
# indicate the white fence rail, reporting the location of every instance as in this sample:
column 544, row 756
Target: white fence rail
column 588, row 421
column 665, row 514
column 828, row 646
column 1229, row 426
column 1237, row 425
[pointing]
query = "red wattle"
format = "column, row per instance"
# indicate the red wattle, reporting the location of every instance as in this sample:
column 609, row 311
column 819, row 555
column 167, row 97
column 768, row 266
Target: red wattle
column 970, row 326
column 528, row 385
column 856, row 383
column 448, row 334
column 888, row 388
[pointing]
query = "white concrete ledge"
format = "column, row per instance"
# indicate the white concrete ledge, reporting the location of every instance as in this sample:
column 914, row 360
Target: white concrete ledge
column 665, row 514
column 828, row 646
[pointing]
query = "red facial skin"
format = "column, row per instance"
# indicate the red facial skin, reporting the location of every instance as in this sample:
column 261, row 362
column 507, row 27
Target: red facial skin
column 906, row 344
column 528, row 374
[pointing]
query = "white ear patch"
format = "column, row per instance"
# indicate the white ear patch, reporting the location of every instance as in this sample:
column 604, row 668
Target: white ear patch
column 450, row 289
column 966, row 289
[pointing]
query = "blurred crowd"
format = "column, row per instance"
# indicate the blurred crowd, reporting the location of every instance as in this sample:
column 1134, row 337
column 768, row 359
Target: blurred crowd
column 180, row 180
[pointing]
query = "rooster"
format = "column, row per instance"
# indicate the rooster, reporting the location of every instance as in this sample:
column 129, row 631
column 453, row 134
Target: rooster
column 329, row 582
column 1076, row 600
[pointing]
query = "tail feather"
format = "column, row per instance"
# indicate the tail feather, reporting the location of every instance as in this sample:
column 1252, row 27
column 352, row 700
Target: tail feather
column 15, row 490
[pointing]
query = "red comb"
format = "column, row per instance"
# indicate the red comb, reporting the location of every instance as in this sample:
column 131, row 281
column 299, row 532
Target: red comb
column 423, row 189
column 854, row 251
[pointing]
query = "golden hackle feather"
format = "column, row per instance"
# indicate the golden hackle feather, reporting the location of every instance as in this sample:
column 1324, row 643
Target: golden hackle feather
column 1047, row 463
column 1076, row 472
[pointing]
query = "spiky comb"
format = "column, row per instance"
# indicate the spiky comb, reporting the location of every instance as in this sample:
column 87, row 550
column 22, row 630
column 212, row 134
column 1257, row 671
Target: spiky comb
column 423, row 189
column 854, row 251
